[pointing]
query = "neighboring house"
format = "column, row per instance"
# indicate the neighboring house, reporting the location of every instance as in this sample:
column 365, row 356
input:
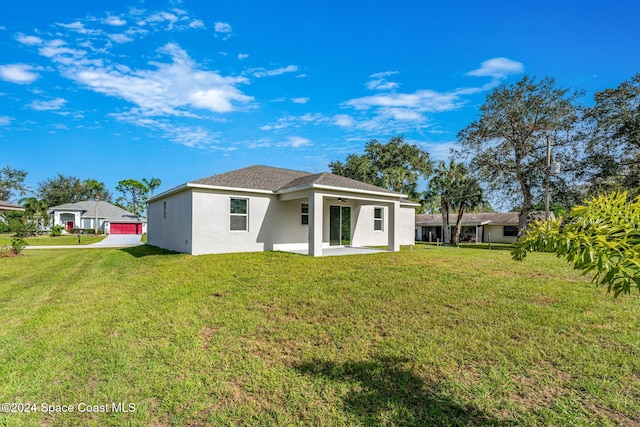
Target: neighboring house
column 261, row 208
column 494, row 227
column 6, row 206
column 111, row 219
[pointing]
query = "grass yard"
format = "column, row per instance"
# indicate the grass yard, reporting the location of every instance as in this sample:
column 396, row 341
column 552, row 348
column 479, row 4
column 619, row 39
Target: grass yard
column 46, row 240
column 436, row 336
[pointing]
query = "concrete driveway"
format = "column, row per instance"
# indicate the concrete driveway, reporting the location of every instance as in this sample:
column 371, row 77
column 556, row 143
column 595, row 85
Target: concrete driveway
column 118, row 241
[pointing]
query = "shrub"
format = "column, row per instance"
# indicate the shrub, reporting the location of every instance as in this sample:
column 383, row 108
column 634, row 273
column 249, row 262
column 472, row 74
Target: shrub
column 85, row 231
column 24, row 229
column 56, row 230
column 17, row 245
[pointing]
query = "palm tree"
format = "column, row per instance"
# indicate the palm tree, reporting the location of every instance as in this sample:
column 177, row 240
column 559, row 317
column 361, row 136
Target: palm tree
column 468, row 195
column 456, row 190
column 152, row 183
column 36, row 212
column 441, row 185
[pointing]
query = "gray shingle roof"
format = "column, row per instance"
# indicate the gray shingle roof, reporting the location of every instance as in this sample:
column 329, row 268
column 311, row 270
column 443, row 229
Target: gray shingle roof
column 106, row 210
column 254, row 177
column 278, row 179
column 6, row 206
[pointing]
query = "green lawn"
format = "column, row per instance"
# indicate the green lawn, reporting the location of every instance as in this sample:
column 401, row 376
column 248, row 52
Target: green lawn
column 433, row 336
column 46, row 240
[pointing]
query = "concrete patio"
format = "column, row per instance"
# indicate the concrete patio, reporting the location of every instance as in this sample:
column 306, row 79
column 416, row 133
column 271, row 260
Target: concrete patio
column 340, row 251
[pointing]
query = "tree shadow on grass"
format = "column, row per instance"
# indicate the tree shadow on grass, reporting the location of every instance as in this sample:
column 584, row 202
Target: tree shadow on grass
column 384, row 392
column 147, row 250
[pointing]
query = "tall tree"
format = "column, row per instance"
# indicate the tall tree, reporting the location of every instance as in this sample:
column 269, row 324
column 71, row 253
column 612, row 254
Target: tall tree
column 134, row 194
column 613, row 152
column 12, row 181
column 467, row 195
column 152, row 184
column 455, row 189
column 439, row 187
column 92, row 189
column 395, row 165
column 63, row 189
column 506, row 146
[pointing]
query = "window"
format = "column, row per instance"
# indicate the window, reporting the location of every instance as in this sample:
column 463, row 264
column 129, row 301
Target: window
column 164, row 210
column 304, row 216
column 510, row 230
column 239, row 214
column 377, row 219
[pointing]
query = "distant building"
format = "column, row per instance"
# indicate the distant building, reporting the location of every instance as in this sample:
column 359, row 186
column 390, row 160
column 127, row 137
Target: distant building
column 111, row 219
column 494, row 227
column 6, row 206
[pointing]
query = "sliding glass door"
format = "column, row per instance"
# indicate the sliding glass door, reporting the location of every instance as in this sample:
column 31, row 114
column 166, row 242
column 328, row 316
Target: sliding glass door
column 339, row 225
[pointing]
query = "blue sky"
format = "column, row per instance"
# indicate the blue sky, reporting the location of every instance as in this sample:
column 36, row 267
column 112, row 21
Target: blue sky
column 185, row 89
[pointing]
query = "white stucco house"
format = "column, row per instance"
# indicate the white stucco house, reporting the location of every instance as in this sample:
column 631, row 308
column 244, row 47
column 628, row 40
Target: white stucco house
column 111, row 219
column 261, row 208
column 494, row 227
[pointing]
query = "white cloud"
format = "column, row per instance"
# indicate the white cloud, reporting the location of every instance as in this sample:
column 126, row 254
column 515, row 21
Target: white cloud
column 242, row 56
column 261, row 72
column 437, row 150
column 421, row 100
column 5, row 120
column 301, row 100
column 498, row 68
column 196, row 23
column 78, row 27
column 190, row 136
column 296, row 121
column 58, row 52
column 28, row 40
column 54, row 104
column 295, row 142
column 222, row 27
column 162, row 17
column 115, row 21
column 170, row 89
column 344, row 120
column 18, row 73
column 378, row 81
column 120, row 38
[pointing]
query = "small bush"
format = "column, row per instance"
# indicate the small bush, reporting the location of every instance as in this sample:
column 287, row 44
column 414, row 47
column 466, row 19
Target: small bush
column 24, row 230
column 17, row 245
column 56, row 230
column 84, row 231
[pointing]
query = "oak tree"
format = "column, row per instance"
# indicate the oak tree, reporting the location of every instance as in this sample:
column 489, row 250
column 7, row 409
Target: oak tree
column 506, row 146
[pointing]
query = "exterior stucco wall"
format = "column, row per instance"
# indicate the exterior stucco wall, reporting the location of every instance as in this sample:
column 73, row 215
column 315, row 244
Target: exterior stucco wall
column 285, row 228
column 497, row 234
column 57, row 220
column 172, row 232
column 211, row 222
column 363, row 227
column 406, row 232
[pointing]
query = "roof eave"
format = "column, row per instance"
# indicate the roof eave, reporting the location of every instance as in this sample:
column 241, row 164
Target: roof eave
column 189, row 185
column 344, row 189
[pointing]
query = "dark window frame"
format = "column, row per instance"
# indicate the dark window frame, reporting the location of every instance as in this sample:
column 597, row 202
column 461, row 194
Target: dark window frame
column 304, row 214
column 378, row 222
column 510, row 230
column 233, row 215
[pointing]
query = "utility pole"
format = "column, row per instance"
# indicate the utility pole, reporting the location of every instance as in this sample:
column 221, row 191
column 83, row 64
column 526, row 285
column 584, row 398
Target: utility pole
column 546, row 180
column 96, row 224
